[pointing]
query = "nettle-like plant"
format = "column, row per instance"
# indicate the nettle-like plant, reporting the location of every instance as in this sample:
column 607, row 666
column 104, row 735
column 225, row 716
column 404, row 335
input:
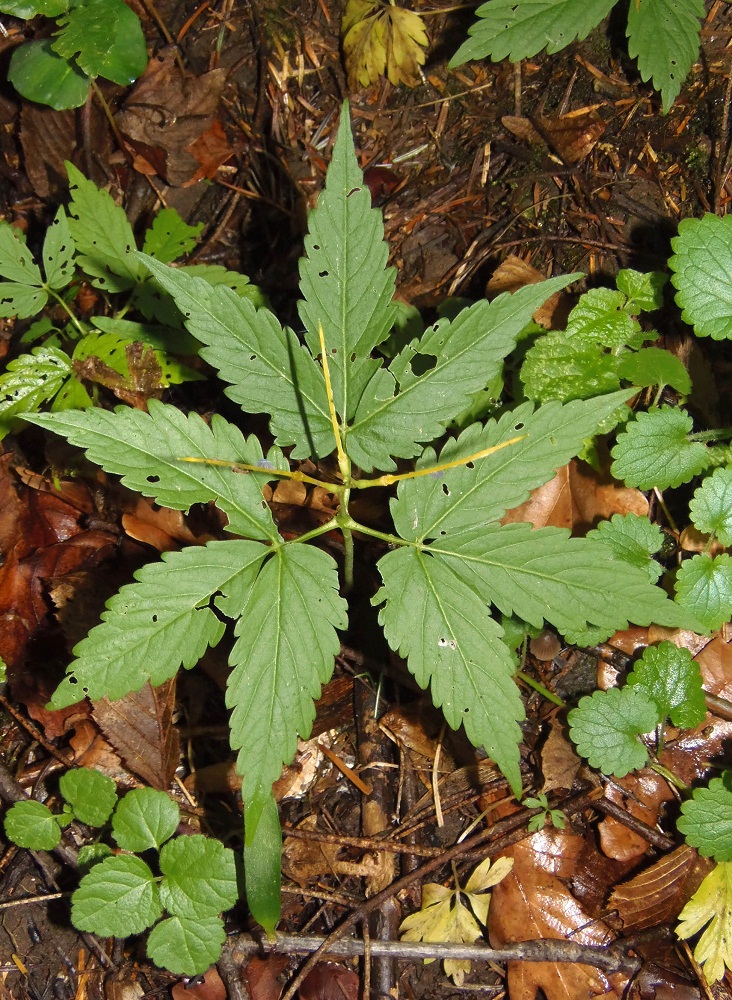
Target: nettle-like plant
column 95, row 38
column 663, row 35
column 452, row 568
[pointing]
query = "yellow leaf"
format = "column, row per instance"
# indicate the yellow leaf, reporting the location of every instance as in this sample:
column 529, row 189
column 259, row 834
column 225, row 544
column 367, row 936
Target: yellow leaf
column 378, row 38
column 712, row 901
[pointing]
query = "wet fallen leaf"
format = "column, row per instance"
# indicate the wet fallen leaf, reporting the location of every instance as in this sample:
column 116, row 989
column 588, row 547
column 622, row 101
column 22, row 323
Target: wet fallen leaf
column 262, row 976
column 657, row 894
column 211, row 987
column 572, row 136
column 378, row 38
column 330, row 981
column 559, row 761
column 641, row 794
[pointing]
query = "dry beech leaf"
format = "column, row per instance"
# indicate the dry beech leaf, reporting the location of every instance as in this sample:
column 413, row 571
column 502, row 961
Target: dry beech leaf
column 514, row 273
column 559, row 761
column 92, row 750
column 378, row 38
column 577, row 498
column 572, row 136
column 330, row 981
column 658, row 894
column 645, row 791
column 530, row 903
column 210, row 988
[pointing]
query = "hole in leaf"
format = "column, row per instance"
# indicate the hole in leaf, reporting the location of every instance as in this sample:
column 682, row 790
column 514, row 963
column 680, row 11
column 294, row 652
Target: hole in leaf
column 316, row 246
column 445, row 489
column 519, row 426
column 353, row 191
column 322, row 274
column 153, row 479
column 154, row 618
column 470, row 465
column 353, row 357
column 253, row 357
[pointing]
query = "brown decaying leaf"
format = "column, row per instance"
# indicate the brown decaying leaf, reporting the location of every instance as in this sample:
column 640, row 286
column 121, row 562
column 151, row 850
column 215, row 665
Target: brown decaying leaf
column 642, row 795
column 514, row 273
column 577, row 498
column 531, row 902
column 210, row 988
column 330, row 981
column 378, row 38
column 658, row 894
column 160, row 527
column 145, row 381
column 140, row 729
column 92, row 750
column 262, row 976
column 572, row 136
column 559, row 761
column 166, row 114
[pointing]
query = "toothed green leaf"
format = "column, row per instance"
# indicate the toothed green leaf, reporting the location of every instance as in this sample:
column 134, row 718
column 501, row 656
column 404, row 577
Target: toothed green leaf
column 702, row 274
column 704, row 587
column 654, row 450
column 664, row 36
column 118, row 897
column 605, row 728
column 186, row 946
column 711, row 508
column 671, row 679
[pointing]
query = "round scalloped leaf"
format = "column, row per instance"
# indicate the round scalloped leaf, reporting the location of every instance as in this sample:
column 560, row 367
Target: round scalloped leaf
column 671, row 679
column 632, row 538
column 654, row 450
column 31, row 824
column 654, row 366
column 605, row 729
column 702, row 274
column 200, row 877
column 144, row 818
column 186, row 946
column 643, row 289
column 117, row 898
column 711, row 508
column 600, row 318
column 91, row 795
column 40, row 74
column 706, row 820
column 704, row 586
column 90, row 854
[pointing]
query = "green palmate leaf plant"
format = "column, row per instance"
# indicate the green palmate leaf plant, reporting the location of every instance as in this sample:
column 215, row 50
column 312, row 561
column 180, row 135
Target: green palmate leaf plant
column 120, row 894
column 134, row 346
column 451, row 569
column 663, row 35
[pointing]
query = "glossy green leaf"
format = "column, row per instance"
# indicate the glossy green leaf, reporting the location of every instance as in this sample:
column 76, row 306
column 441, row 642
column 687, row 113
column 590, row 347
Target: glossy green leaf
column 605, row 729
column 144, row 818
column 39, row 74
column 702, row 274
column 706, row 819
column 671, row 679
column 118, row 897
column 704, row 586
column 711, row 506
column 186, row 946
column 31, row 824
column 654, row 450
column 91, row 794
column 199, row 877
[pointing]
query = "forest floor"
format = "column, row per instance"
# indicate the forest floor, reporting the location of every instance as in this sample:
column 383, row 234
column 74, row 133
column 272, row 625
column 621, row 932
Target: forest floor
column 561, row 163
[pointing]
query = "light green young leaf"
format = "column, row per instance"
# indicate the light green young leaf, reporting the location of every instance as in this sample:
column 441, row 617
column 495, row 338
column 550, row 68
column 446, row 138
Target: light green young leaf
column 605, row 729
column 560, row 367
column 632, row 538
column 29, row 381
column 654, row 450
column 711, row 507
column 600, row 318
column 519, row 29
column 451, row 643
column 40, row 74
column 71, row 396
column 542, row 574
column 704, row 587
column 91, row 794
column 58, row 252
column 31, row 824
column 105, row 38
column 102, row 234
column 90, row 854
column 118, row 897
column 269, row 370
column 461, row 498
column 712, row 901
column 706, row 819
column 144, row 818
column 664, row 36
column 263, row 862
column 199, row 877
column 654, row 366
column 163, row 621
column 469, row 352
column 702, row 274
column 148, row 449
column 285, row 650
column 644, row 290
column 671, row 679
column 169, row 237
column 346, row 286
column 186, row 946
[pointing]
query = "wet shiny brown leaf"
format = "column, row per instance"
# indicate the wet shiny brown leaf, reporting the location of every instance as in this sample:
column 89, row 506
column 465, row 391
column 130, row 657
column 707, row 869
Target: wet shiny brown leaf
column 658, row 893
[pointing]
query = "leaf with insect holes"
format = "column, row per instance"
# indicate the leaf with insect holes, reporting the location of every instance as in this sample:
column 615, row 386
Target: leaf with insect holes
column 664, row 36
column 711, row 507
column 29, row 381
column 704, row 587
column 701, row 271
column 169, row 237
column 31, row 824
column 671, row 679
column 378, row 39
column 605, row 728
column 711, row 904
column 654, row 450
column 58, row 252
column 706, row 819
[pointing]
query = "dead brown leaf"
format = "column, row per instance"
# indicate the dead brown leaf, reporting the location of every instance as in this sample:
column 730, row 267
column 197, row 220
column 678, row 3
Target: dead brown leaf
column 210, row 988
column 514, row 273
column 658, row 894
column 559, row 761
column 330, row 981
column 572, row 136
column 642, row 795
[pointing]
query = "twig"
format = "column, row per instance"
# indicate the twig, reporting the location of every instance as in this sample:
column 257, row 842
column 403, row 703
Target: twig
column 653, row 837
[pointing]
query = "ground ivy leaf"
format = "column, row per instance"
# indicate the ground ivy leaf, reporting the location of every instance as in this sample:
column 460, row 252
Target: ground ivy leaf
column 600, row 318
column 632, row 538
column 163, row 621
column 564, row 368
column 711, row 507
column 105, row 38
column 269, row 370
column 31, row 824
column 654, row 450
column 118, row 897
column 144, row 818
column 542, row 574
column 706, row 819
column 702, row 274
column 712, row 901
column 347, row 288
column 519, row 29
column 199, row 877
column 655, row 366
column 704, row 586
column 186, row 946
column 29, row 381
column 91, row 794
column 664, row 36
column 605, row 729
column 468, row 352
column 451, row 643
column 644, row 290
column 169, row 237
column 460, row 498
column 284, row 653
column 147, row 449
column 58, row 252
column 670, row 678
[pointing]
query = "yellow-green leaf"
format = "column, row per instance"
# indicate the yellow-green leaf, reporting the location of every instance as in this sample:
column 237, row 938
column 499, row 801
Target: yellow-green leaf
column 712, row 904
column 380, row 38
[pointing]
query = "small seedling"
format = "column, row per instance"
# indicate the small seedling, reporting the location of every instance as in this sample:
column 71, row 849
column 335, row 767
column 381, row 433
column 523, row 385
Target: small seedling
column 555, row 816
